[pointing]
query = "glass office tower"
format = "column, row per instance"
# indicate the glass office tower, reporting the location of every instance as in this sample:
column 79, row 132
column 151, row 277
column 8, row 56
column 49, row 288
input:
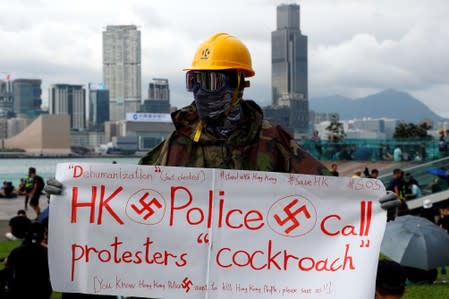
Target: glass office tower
column 288, row 57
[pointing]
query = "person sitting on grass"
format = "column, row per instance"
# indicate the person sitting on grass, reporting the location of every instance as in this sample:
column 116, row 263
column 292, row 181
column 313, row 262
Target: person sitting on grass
column 18, row 226
column 27, row 267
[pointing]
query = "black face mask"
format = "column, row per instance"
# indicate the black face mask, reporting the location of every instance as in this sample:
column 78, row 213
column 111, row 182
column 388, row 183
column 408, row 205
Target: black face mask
column 212, row 106
column 215, row 109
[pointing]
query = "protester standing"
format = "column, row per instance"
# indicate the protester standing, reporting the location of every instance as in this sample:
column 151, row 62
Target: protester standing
column 36, row 190
column 220, row 129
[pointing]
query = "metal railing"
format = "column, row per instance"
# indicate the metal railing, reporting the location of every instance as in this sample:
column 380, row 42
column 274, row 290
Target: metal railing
column 373, row 149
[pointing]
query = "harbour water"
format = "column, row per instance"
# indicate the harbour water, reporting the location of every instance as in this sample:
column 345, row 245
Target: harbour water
column 12, row 169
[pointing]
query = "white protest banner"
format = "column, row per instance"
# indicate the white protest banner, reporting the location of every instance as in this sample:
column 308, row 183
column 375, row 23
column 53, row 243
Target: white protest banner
column 169, row 232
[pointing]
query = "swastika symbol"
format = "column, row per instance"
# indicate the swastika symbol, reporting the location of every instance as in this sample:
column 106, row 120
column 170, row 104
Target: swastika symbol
column 291, row 216
column 186, row 283
column 146, row 206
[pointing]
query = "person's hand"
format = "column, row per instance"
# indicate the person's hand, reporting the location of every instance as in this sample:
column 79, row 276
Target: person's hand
column 389, row 201
column 53, row 187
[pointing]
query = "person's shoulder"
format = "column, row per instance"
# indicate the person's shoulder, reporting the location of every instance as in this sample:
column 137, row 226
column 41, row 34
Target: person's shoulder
column 14, row 219
column 274, row 130
column 151, row 157
column 37, row 178
column 185, row 114
column 24, row 219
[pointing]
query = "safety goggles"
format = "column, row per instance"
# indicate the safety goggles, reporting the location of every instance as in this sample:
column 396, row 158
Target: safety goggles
column 210, row 81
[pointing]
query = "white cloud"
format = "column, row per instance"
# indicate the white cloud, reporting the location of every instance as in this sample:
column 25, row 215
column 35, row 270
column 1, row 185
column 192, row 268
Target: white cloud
column 356, row 47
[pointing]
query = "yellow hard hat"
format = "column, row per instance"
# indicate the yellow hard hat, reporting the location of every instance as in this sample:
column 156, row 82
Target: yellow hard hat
column 222, row 51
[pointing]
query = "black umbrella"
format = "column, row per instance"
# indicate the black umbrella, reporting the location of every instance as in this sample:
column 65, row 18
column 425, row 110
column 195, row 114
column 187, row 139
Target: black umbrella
column 416, row 242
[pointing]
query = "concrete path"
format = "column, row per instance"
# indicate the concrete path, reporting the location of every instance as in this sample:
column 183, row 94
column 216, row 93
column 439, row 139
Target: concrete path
column 9, row 208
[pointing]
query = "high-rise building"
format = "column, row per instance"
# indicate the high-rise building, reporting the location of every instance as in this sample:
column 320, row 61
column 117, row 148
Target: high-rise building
column 68, row 99
column 159, row 90
column 158, row 97
column 289, row 67
column 27, row 97
column 288, row 57
column 98, row 107
column 122, row 69
column 6, row 100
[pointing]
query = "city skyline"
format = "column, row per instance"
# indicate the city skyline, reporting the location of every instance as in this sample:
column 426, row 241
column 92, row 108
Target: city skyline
column 355, row 47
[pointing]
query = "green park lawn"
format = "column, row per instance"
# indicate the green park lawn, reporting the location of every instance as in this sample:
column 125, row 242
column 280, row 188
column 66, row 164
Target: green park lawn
column 437, row 290
column 440, row 289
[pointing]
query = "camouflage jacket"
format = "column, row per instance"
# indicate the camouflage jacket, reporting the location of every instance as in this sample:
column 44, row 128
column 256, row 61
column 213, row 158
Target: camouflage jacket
column 257, row 145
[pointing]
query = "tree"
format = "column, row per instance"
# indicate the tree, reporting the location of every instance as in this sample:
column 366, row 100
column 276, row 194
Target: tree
column 336, row 131
column 410, row 130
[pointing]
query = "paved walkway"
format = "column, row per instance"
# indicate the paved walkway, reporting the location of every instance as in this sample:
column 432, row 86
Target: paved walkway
column 9, row 208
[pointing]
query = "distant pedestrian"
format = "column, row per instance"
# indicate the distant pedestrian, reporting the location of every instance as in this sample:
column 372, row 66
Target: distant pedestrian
column 397, row 185
column 384, row 152
column 442, row 144
column 36, row 190
column 446, row 138
column 428, row 211
column 397, row 154
column 373, row 174
column 317, row 143
column 8, row 190
column 21, row 187
column 334, row 170
column 27, row 187
column 443, row 220
column 412, row 189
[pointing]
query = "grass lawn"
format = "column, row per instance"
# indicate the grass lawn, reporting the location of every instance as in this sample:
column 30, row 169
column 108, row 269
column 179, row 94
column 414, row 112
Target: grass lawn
column 5, row 249
column 436, row 291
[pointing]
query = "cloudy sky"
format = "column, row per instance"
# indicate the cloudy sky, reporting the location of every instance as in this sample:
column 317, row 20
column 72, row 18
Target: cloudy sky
column 356, row 47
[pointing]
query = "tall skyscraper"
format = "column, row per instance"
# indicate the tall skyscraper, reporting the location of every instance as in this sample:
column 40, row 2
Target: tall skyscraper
column 98, row 107
column 6, row 100
column 27, row 97
column 122, row 69
column 68, row 99
column 289, row 76
column 288, row 57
